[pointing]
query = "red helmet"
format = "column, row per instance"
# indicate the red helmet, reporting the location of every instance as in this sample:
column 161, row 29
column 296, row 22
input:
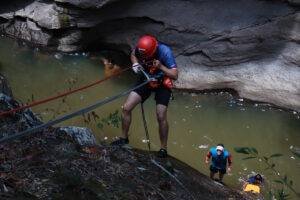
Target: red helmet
column 147, row 46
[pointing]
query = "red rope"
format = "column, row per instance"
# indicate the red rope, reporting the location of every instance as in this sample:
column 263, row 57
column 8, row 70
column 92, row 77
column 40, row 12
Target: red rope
column 42, row 101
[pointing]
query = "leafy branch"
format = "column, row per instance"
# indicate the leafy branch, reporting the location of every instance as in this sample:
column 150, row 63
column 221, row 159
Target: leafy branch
column 113, row 119
column 252, row 153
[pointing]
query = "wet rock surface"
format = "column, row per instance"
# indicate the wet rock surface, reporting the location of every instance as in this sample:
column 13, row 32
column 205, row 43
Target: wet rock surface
column 4, row 87
column 81, row 135
column 50, row 167
column 14, row 122
column 249, row 46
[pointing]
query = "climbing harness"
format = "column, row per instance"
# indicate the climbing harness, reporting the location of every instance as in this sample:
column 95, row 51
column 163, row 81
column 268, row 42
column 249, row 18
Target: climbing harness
column 160, row 78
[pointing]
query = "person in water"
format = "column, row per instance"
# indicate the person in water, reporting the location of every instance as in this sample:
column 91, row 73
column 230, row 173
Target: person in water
column 256, row 180
column 220, row 157
column 253, row 184
column 110, row 68
column 158, row 61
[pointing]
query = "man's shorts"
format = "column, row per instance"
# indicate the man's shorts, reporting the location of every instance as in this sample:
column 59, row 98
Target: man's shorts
column 216, row 170
column 162, row 94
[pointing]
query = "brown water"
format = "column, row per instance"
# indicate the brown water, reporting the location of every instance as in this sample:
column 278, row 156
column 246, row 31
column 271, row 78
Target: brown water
column 197, row 121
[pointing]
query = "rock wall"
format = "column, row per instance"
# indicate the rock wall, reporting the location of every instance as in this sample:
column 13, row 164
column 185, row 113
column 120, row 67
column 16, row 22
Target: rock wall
column 15, row 122
column 251, row 46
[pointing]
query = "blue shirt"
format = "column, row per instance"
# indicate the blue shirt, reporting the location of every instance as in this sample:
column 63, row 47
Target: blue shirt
column 219, row 161
column 251, row 180
column 165, row 56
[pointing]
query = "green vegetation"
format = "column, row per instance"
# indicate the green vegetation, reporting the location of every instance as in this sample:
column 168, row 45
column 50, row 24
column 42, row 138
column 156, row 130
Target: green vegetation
column 113, row 119
column 282, row 180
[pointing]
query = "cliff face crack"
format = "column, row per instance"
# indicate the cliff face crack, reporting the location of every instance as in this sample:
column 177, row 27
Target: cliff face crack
column 200, row 52
column 228, row 36
column 185, row 30
column 3, row 20
column 147, row 19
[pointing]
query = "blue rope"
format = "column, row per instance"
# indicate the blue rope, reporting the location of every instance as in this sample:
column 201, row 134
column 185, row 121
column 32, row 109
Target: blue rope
column 71, row 115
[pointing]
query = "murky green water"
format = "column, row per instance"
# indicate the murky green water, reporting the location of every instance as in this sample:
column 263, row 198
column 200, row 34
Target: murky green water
column 197, row 121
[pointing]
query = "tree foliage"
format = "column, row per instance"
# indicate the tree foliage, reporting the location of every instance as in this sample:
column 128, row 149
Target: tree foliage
column 283, row 181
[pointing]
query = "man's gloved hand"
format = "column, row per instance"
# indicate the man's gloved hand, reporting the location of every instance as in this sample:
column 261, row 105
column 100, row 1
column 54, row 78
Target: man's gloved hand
column 157, row 63
column 136, row 67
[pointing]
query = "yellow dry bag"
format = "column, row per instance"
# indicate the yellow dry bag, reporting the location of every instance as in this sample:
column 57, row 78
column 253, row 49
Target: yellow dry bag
column 252, row 188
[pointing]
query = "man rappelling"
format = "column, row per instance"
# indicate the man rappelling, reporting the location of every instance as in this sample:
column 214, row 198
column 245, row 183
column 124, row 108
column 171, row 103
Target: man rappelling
column 158, row 61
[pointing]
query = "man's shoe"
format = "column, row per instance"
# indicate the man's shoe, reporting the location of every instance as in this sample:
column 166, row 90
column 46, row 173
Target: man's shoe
column 162, row 153
column 120, row 142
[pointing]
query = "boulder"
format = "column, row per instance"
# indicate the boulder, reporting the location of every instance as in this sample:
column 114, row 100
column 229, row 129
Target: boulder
column 294, row 2
column 88, row 3
column 4, row 87
column 15, row 122
column 81, row 135
column 251, row 46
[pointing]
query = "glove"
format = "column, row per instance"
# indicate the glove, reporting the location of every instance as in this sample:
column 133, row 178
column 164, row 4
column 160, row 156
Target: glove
column 136, row 67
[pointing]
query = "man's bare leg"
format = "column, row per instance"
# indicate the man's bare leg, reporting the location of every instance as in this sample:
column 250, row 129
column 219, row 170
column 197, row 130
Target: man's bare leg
column 221, row 176
column 161, row 113
column 132, row 100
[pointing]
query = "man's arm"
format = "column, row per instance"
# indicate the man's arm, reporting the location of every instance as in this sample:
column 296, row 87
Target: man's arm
column 136, row 66
column 172, row 73
column 229, row 159
column 133, row 58
column 207, row 157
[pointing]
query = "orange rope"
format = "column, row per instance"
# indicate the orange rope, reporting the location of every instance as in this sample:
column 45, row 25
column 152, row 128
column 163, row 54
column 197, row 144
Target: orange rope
column 42, row 101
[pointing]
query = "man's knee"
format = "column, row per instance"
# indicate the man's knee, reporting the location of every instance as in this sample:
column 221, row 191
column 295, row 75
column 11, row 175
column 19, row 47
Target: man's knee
column 126, row 109
column 161, row 116
column 132, row 100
